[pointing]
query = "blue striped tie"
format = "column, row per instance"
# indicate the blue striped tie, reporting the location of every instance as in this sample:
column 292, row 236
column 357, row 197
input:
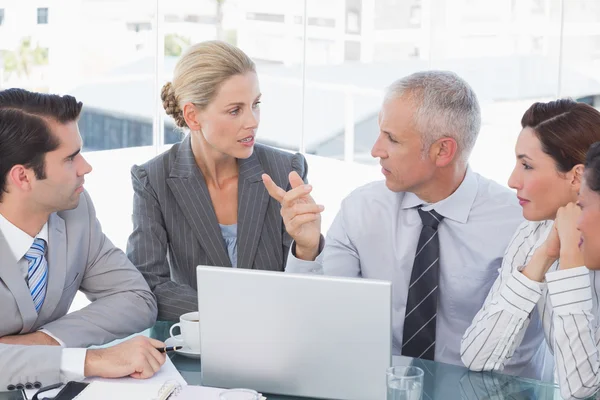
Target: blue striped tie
column 37, row 274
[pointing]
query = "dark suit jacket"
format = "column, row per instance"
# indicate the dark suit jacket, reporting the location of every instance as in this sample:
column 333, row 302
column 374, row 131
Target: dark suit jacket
column 175, row 227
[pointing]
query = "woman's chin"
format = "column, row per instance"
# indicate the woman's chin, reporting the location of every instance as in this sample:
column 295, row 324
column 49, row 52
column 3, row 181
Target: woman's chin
column 243, row 153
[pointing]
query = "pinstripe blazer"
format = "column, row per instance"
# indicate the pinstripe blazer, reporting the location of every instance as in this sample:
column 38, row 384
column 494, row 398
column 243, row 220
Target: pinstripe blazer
column 175, row 227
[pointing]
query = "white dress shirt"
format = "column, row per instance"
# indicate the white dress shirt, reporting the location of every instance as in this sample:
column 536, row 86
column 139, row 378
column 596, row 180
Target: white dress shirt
column 566, row 303
column 73, row 360
column 375, row 235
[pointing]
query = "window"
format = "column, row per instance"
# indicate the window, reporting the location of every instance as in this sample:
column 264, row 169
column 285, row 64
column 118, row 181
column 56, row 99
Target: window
column 316, row 21
column 352, row 51
column 200, row 19
column 265, row 17
column 415, row 16
column 139, row 26
column 42, row 16
column 353, row 16
column 538, row 6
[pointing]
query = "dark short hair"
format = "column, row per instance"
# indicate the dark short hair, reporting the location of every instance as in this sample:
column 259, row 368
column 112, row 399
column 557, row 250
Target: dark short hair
column 25, row 136
column 565, row 128
column 592, row 167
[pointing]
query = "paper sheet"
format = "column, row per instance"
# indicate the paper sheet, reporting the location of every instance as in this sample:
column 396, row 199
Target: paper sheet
column 166, row 372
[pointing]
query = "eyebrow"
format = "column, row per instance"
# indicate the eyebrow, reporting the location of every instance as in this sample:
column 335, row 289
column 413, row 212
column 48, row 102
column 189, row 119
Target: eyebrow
column 241, row 103
column 522, row 156
column 72, row 155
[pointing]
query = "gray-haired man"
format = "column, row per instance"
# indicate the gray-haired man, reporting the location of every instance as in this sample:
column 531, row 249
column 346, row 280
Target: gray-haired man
column 435, row 229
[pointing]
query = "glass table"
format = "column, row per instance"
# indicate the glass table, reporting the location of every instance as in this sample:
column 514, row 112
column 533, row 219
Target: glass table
column 441, row 381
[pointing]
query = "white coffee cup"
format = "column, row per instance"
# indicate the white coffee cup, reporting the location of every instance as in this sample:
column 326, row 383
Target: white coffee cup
column 189, row 324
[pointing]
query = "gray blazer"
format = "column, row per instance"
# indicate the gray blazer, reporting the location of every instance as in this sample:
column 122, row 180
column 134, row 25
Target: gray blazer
column 80, row 257
column 175, row 227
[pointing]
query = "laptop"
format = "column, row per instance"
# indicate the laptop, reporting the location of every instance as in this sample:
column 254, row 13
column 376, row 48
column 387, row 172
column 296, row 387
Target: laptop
column 294, row 334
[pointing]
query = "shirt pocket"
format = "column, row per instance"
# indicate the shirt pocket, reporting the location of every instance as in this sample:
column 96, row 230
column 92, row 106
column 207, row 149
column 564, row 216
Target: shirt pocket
column 468, row 288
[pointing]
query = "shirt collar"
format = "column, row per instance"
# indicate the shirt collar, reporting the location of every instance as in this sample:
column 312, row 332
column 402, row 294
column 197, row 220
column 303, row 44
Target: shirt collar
column 18, row 241
column 456, row 207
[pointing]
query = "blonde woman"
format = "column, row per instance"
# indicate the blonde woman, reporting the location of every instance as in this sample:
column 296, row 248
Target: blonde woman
column 203, row 202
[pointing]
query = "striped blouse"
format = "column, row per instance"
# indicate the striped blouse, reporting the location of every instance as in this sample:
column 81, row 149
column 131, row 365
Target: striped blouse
column 566, row 304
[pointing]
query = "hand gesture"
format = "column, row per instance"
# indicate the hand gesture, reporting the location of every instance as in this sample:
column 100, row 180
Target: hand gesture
column 301, row 215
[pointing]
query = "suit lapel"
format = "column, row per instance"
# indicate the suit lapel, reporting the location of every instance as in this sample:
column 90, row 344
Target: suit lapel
column 253, row 200
column 57, row 265
column 190, row 191
column 13, row 278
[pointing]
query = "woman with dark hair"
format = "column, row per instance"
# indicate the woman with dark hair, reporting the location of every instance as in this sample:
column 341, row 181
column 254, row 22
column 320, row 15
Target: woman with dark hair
column 550, row 156
column 573, row 298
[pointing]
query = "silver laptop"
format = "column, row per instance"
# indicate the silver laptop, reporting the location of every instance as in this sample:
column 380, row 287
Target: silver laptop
column 299, row 335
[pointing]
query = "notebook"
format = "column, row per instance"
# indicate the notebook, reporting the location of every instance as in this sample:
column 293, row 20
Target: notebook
column 122, row 390
column 102, row 390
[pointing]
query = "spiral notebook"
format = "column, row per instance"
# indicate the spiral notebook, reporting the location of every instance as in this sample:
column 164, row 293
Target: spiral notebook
column 122, row 390
column 129, row 391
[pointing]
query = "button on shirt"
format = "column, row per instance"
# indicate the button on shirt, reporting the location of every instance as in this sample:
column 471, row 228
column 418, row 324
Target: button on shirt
column 73, row 360
column 375, row 235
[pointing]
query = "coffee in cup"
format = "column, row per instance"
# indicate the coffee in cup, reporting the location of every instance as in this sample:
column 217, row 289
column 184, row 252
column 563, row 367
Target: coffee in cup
column 189, row 324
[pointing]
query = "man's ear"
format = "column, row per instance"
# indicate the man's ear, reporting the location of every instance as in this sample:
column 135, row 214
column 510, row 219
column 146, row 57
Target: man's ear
column 444, row 151
column 20, row 177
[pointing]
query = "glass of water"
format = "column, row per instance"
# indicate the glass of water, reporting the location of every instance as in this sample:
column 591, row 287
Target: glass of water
column 239, row 394
column 404, row 383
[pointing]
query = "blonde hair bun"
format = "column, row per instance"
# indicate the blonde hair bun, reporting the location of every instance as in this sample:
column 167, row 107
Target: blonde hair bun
column 171, row 106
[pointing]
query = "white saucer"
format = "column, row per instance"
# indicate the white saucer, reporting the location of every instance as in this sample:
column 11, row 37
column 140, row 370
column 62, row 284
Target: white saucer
column 186, row 351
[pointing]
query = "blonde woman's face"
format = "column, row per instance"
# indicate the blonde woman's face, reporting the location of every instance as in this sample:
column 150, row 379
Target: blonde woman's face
column 229, row 123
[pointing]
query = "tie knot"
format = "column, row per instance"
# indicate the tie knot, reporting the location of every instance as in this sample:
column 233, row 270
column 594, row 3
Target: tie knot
column 430, row 218
column 38, row 248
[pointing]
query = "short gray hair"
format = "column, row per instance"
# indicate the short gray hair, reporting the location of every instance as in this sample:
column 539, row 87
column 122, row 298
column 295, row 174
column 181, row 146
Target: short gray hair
column 446, row 106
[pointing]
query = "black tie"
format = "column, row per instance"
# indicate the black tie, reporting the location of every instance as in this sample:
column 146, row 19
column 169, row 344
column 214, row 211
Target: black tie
column 418, row 339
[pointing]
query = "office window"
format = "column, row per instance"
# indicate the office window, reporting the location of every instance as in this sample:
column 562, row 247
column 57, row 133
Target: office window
column 538, row 7
column 316, row 21
column 200, row 19
column 322, row 22
column 42, row 16
column 353, row 16
column 265, row 17
column 414, row 19
column 139, row 26
column 351, row 51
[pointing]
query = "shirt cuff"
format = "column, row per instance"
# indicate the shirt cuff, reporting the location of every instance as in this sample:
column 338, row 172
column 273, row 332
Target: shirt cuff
column 297, row 265
column 62, row 344
column 72, row 364
column 520, row 294
column 570, row 290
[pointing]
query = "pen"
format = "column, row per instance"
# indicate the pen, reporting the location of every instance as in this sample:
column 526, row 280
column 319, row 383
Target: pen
column 168, row 348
